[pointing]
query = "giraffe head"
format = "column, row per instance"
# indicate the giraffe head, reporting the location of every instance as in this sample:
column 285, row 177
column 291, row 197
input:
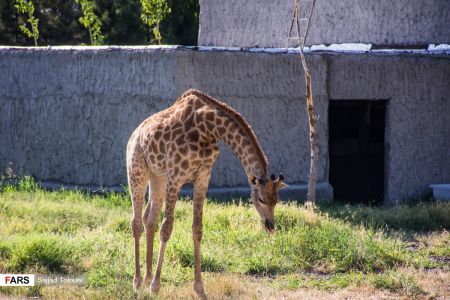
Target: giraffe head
column 265, row 197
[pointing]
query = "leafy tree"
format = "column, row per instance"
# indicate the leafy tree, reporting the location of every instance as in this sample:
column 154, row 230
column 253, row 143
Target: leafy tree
column 180, row 27
column 9, row 29
column 27, row 7
column 58, row 22
column 120, row 23
column 91, row 21
column 153, row 12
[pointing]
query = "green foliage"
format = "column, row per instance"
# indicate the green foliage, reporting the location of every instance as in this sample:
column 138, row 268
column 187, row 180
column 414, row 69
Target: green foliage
column 27, row 184
column 153, row 12
column 180, row 27
column 23, row 184
column 91, row 21
column 120, row 23
column 27, row 7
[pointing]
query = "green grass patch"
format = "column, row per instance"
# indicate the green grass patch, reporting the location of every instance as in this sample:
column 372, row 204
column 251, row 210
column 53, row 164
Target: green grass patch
column 40, row 254
column 72, row 232
column 396, row 281
column 415, row 217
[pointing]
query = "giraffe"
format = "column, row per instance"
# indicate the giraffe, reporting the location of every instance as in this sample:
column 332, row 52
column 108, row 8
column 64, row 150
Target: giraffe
column 179, row 145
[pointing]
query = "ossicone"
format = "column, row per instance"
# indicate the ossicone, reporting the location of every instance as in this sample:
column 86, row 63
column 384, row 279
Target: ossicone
column 253, row 180
column 274, row 178
column 278, row 183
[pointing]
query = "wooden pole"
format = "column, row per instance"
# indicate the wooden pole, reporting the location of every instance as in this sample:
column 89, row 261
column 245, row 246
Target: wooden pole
column 313, row 139
column 312, row 117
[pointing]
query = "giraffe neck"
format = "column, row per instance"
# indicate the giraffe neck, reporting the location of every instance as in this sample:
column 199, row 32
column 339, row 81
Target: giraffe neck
column 221, row 122
column 242, row 144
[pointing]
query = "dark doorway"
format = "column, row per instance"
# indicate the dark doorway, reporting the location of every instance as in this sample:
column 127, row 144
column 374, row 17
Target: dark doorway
column 356, row 144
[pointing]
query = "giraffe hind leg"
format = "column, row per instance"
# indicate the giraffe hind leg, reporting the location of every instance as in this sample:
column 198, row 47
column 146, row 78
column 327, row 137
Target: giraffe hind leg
column 157, row 197
column 138, row 176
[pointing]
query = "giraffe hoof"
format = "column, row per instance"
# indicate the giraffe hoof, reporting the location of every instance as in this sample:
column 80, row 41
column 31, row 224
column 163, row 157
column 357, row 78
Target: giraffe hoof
column 154, row 287
column 199, row 290
column 137, row 283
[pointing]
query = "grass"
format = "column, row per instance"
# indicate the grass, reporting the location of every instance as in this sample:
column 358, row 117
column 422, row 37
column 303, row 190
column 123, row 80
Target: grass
column 330, row 249
column 412, row 217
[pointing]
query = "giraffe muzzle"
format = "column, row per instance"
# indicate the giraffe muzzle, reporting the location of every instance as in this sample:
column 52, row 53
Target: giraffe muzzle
column 269, row 226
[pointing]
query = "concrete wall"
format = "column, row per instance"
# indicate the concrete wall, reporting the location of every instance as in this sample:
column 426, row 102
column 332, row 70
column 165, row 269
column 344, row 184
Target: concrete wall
column 265, row 23
column 267, row 90
column 418, row 115
column 66, row 115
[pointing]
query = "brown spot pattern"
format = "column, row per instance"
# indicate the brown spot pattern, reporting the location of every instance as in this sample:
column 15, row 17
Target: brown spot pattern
column 157, row 135
column 193, row 136
column 184, row 164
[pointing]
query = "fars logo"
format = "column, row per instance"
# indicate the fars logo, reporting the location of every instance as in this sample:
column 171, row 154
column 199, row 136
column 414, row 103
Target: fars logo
column 16, row 279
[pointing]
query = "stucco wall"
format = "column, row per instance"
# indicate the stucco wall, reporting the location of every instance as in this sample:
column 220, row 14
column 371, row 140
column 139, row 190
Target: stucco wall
column 418, row 115
column 66, row 115
column 267, row 90
column 265, row 23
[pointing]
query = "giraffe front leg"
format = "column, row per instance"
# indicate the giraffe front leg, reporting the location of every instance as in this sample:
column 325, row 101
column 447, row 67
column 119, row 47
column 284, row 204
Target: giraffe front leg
column 200, row 188
column 166, row 231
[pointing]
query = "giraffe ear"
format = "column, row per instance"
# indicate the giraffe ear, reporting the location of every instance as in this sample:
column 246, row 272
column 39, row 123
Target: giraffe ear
column 282, row 185
column 279, row 184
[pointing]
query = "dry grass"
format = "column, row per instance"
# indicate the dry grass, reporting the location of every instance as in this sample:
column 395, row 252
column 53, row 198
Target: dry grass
column 435, row 284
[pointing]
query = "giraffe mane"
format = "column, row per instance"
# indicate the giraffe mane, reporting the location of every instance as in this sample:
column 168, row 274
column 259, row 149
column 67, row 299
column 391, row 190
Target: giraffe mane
column 235, row 116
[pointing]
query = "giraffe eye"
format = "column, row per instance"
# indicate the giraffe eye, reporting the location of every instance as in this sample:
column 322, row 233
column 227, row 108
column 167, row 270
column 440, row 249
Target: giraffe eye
column 260, row 200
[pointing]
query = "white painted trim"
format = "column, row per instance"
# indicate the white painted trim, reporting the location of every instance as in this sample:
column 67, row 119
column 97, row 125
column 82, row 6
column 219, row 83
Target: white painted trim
column 346, row 48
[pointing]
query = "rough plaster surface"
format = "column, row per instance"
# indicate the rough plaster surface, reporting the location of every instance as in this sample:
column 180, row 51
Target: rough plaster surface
column 66, row 115
column 265, row 23
column 418, row 115
column 266, row 90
